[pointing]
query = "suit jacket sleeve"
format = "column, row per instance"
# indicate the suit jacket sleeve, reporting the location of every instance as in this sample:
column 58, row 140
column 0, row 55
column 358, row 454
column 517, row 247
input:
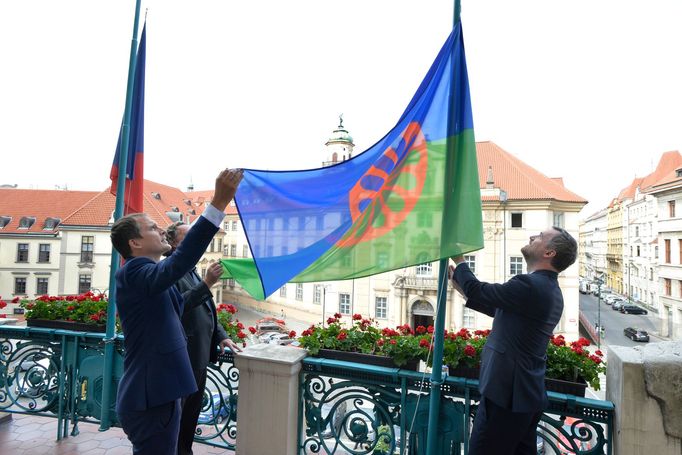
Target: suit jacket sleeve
column 513, row 295
column 154, row 278
column 195, row 296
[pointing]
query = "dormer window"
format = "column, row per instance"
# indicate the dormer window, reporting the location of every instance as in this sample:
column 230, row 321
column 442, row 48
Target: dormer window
column 156, row 195
column 26, row 222
column 51, row 223
column 187, row 201
column 678, row 172
column 4, row 221
column 174, row 208
column 174, row 216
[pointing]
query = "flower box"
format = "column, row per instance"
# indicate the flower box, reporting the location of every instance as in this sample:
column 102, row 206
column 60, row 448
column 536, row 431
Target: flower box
column 463, row 372
column 367, row 359
column 567, row 387
column 66, row 325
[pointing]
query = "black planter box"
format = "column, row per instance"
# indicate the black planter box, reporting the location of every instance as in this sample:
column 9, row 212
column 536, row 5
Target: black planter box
column 367, row 359
column 567, row 387
column 66, row 325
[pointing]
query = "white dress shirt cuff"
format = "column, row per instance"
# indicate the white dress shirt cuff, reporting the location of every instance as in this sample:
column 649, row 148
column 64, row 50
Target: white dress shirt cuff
column 213, row 215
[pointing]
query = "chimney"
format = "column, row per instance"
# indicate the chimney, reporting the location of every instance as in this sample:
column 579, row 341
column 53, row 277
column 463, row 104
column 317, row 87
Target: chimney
column 489, row 183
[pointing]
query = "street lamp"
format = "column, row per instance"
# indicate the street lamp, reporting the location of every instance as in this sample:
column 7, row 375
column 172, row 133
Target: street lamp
column 598, row 281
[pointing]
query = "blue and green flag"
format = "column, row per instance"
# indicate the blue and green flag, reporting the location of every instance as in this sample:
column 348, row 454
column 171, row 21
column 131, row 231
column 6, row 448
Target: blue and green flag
column 411, row 198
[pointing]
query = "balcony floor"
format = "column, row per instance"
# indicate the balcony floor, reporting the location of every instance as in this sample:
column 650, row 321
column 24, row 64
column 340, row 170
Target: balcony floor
column 33, row 435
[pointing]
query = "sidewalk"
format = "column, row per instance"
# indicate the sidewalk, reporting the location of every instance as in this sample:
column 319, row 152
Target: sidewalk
column 34, row 435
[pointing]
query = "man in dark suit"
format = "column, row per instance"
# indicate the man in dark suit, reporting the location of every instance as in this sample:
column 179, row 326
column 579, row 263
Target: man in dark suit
column 156, row 371
column 204, row 334
column 526, row 309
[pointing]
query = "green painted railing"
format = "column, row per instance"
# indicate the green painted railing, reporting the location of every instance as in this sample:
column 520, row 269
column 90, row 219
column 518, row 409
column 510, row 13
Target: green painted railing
column 352, row 408
column 59, row 374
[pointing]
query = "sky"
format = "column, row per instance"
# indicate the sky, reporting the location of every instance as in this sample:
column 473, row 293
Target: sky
column 587, row 90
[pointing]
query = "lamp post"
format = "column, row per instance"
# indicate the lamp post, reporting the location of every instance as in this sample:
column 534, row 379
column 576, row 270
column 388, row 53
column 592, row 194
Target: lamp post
column 598, row 281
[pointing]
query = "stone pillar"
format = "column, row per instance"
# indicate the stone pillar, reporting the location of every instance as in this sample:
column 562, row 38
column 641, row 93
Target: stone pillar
column 267, row 413
column 644, row 384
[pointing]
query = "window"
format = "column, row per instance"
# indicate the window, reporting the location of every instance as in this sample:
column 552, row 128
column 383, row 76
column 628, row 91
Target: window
column 51, row 223
column 382, row 260
column 26, row 222
column 380, row 307
column 299, row 291
column 424, row 219
column 87, row 246
column 468, row 317
column 41, row 286
column 656, row 252
column 344, row 303
column 4, row 221
column 636, row 231
column 346, row 260
column 22, row 252
column 424, row 269
column 234, row 225
column 211, row 248
column 517, row 220
column 679, row 243
column 226, row 226
column 651, row 274
column 668, row 285
column 44, row 252
column 671, row 209
column 638, row 250
column 283, row 291
column 471, row 262
column 84, row 283
column 233, row 250
column 220, row 245
column 203, row 273
column 667, row 251
column 515, row 265
column 245, row 251
column 558, row 219
column 230, row 282
column 317, row 294
column 20, row 285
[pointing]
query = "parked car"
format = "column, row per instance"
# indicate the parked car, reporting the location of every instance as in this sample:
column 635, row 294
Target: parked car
column 635, row 334
column 276, row 338
column 617, row 304
column 270, row 324
column 632, row 309
column 216, row 413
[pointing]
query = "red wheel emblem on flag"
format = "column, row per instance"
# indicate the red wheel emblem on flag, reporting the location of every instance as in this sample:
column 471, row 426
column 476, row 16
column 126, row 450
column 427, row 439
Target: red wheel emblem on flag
column 384, row 196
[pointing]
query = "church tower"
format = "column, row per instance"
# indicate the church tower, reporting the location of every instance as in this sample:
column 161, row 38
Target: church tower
column 339, row 146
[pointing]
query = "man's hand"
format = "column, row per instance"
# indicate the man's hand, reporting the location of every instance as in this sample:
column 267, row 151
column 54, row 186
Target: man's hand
column 451, row 276
column 215, row 270
column 225, row 187
column 227, row 343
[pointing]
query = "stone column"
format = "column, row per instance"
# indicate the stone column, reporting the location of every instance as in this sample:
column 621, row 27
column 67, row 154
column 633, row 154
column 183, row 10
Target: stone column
column 644, row 384
column 267, row 412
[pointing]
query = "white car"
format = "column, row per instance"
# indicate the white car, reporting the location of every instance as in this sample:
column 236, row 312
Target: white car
column 276, row 338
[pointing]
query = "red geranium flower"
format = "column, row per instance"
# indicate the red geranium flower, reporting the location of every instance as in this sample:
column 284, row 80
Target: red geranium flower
column 252, row 329
column 292, row 334
column 469, row 350
column 241, row 335
column 341, row 336
column 15, row 299
column 357, row 317
column 421, row 329
column 423, row 343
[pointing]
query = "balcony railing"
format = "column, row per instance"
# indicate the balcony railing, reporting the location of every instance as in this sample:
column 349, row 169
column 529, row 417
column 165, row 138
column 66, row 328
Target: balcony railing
column 58, row 374
column 362, row 409
column 420, row 282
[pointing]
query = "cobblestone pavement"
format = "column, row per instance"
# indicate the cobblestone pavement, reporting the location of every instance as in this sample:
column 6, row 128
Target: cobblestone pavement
column 34, row 435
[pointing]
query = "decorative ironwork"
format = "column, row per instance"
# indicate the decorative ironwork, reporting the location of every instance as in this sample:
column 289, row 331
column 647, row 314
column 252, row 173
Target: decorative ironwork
column 366, row 409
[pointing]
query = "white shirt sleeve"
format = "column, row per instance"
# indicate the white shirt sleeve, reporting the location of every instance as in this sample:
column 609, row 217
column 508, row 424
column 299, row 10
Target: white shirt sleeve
column 213, row 215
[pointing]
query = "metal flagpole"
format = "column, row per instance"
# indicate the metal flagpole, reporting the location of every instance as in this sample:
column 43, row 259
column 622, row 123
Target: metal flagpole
column 439, row 326
column 107, row 376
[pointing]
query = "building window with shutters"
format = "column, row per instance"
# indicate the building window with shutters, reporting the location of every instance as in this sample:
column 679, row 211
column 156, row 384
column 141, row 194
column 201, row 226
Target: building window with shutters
column 666, row 242
column 668, row 286
column 470, row 259
column 245, row 251
column 233, row 250
column 283, row 291
column 424, row 269
column 468, row 318
column 87, row 248
column 84, row 283
column 20, row 285
column 22, row 252
column 299, row 292
column 344, row 303
column 558, row 219
column 380, row 307
column 41, row 286
column 671, row 209
column 317, row 294
column 234, row 225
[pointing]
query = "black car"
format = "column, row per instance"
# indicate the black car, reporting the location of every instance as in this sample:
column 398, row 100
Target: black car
column 632, row 309
column 636, row 334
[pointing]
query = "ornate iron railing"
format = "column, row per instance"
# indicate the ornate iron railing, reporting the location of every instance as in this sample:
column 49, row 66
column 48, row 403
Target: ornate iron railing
column 350, row 408
column 59, row 374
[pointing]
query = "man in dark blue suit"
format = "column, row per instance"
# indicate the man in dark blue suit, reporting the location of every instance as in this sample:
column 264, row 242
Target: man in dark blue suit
column 157, row 372
column 526, row 309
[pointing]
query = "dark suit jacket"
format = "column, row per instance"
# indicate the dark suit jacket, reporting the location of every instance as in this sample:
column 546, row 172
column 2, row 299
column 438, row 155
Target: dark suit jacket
column 200, row 321
column 525, row 310
column 156, row 367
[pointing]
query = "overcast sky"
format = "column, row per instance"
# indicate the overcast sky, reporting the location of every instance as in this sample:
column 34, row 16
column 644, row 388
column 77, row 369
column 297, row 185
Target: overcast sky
column 587, row 90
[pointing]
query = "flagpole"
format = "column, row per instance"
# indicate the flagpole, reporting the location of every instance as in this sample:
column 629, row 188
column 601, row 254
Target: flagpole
column 107, row 376
column 439, row 325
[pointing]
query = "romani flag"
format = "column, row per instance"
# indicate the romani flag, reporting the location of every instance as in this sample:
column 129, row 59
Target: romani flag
column 134, row 182
column 411, row 198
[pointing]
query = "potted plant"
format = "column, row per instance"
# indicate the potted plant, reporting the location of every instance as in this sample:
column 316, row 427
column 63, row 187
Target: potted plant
column 232, row 326
column 574, row 363
column 85, row 312
column 364, row 342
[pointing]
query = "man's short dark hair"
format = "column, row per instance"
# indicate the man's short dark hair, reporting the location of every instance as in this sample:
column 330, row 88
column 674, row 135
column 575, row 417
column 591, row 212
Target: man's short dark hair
column 172, row 232
column 566, row 249
column 123, row 230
